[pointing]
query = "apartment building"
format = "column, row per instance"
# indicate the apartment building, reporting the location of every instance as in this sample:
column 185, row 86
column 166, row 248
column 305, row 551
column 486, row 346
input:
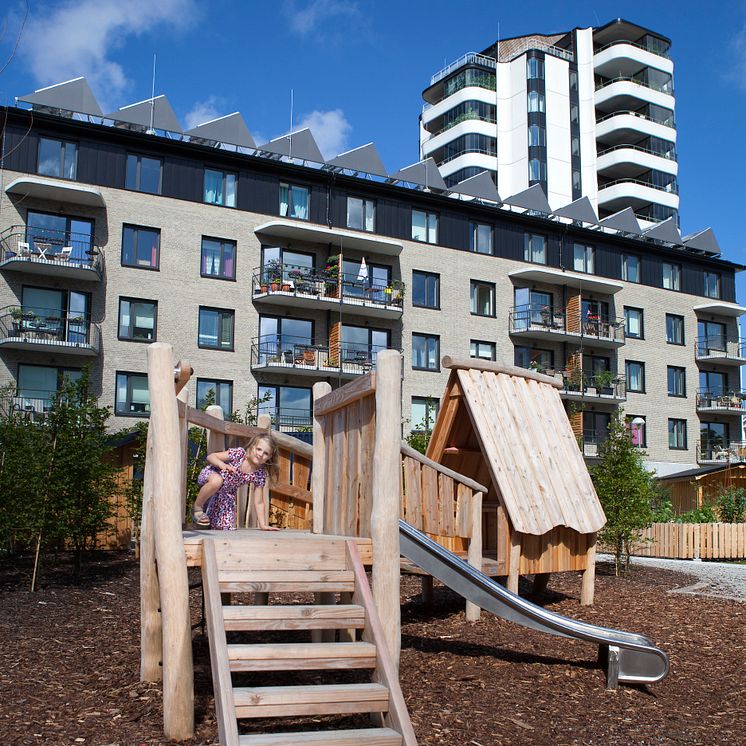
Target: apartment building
column 588, row 112
column 270, row 271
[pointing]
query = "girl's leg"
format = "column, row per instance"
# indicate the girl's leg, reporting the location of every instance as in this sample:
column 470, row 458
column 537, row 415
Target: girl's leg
column 213, row 483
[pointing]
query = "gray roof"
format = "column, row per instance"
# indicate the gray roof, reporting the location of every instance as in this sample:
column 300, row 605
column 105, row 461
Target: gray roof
column 703, row 241
column 701, row 471
column 532, row 198
column 625, row 220
column 480, row 186
column 230, row 129
column 666, row 231
column 581, row 209
column 73, row 95
column 365, row 159
column 300, row 144
column 423, row 172
column 164, row 117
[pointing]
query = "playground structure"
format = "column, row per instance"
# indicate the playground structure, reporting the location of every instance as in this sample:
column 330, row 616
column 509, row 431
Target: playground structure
column 352, row 486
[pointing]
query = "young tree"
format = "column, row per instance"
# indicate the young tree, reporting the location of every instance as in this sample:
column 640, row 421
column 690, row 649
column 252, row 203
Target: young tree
column 626, row 491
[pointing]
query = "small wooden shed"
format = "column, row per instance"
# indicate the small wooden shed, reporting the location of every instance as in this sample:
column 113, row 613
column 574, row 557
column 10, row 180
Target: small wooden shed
column 695, row 488
column 507, row 428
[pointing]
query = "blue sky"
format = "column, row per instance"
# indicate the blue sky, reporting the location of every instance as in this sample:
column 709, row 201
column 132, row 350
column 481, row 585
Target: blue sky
column 358, row 68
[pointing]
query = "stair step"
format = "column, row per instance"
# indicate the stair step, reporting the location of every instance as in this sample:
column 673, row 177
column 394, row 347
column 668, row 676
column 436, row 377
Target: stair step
column 245, row 581
column 250, row 618
column 310, row 656
column 288, row 701
column 366, row 736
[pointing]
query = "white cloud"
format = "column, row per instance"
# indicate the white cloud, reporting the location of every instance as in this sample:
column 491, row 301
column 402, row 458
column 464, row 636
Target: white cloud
column 330, row 130
column 738, row 69
column 203, row 111
column 78, row 37
column 309, row 18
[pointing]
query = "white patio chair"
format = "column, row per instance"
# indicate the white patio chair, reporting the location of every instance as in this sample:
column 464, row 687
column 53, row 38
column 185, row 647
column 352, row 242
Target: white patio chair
column 65, row 254
column 24, row 249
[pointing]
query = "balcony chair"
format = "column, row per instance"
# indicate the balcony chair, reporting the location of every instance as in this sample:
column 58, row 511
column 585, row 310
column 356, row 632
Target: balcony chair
column 65, row 254
column 24, row 250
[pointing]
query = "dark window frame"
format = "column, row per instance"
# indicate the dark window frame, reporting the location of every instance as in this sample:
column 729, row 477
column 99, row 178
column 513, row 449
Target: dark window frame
column 219, row 381
column 129, row 299
column 473, row 284
column 628, row 378
column 679, row 318
column 491, row 345
column 366, row 201
column 137, row 229
column 679, row 421
column 128, row 402
column 138, row 173
column 63, row 147
column 427, row 336
column 474, row 227
column 427, row 275
column 223, row 243
column 428, row 214
column 627, row 334
column 224, row 174
column 217, row 346
column 681, row 371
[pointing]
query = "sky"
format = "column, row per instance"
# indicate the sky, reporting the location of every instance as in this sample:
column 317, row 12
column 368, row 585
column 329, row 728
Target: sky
column 357, row 70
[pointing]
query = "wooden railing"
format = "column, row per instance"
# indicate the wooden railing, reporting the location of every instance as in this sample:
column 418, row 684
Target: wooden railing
column 725, row 541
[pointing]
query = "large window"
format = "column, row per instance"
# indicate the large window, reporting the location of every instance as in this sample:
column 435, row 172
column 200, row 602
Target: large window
column 671, row 276
column 288, row 406
column 534, row 248
column 537, row 136
column 57, row 158
column 677, row 434
column 714, row 439
column 638, row 434
column 57, row 231
column 132, row 397
column 480, row 238
column 712, row 383
column 630, row 267
column 218, row 259
column 425, row 289
column 215, row 328
column 141, row 247
column 294, row 201
column 674, row 329
column 536, row 359
column 633, row 323
column 137, row 319
column 143, row 173
column 425, row 352
column 712, row 284
column 212, row 391
column 424, row 413
column 710, row 336
column 535, row 101
column 38, row 384
column 361, row 214
column 64, row 314
column 537, row 170
column 282, row 339
column 360, row 345
column 676, row 378
column 583, row 258
column 534, row 68
column 635, row 375
column 220, row 188
column 482, row 350
column 482, row 298
column 424, row 226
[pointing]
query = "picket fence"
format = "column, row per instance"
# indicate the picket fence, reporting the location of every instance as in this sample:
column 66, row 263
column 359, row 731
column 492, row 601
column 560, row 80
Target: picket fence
column 726, row 541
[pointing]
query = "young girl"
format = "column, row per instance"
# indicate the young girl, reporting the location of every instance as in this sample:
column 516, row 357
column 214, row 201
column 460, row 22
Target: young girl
column 229, row 470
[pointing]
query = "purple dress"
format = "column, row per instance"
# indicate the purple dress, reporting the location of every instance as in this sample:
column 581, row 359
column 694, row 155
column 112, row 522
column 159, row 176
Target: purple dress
column 221, row 508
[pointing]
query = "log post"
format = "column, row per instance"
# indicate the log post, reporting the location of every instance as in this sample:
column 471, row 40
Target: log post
column 318, row 476
column 474, row 551
column 515, row 560
column 178, row 672
column 386, row 493
column 183, row 396
column 589, row 574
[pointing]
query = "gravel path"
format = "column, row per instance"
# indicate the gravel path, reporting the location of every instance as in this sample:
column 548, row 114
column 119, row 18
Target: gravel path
column 716, row 579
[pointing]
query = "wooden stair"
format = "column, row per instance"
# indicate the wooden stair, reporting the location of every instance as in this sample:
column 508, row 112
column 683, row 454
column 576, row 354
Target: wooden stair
column 319, row 565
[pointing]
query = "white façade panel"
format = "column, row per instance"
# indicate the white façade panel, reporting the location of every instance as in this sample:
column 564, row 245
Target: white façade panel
column 586, row 86
column 559, row 168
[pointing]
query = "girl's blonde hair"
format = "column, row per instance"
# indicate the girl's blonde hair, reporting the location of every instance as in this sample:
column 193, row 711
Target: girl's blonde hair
column 272, row 466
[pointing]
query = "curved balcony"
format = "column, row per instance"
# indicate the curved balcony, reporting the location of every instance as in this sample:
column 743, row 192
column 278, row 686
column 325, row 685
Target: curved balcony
column 468, row 93
column 628, row 160
column 619, row 127
column 635, row 194
column 48, row 330
column 721, row 402
column 627, row 93
column 466, row 127
column 626, row 58
column 69, row 192
column 547, row 323
column 483, row 161
column 720, row 350
column 62, row 254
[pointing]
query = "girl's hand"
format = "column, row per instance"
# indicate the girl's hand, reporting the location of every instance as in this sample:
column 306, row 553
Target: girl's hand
column 269, row 528
column 229, row 468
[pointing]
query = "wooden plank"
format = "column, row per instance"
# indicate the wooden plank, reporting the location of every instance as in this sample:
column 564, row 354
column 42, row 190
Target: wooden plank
column 367, row 442
column 450, row 405
column 351, row 392
column 318, row 476
column 295, row 617
column 495, row 367
column 464, row 518
column 283, row 556
column 312, row 656
column 447, row 505
column 360, row 737
column 429, row 492
column 352, row 471
column 474, row 555
column 413, row 492
column 410, row 452
column 293, row 492
column 332, row 581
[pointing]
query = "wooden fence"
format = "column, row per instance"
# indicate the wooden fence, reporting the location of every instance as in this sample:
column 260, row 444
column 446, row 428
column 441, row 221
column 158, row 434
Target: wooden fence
column 725, row 541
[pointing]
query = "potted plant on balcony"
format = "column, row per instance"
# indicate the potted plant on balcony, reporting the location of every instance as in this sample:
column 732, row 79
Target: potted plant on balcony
column 331, row 275
column 604, row 380
column 273, row 274
column 397, row 295
column 575, row 380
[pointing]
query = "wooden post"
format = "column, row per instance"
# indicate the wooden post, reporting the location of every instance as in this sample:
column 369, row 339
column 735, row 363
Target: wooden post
column 318, row 476
column 541, row 581
column 386, row 493
column 515, row 560
column 151, row 641
column 474, row 551
column 183, row 396
column 426, row 590
column 178, row 672
column 589, row 574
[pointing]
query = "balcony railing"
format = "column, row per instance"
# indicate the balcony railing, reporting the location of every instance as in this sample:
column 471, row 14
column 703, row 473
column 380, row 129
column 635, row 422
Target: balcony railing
column 720, row 348
column 590, row 443
column 660, row 87
column 48, row 327
column 646, row 47
column 670, row 188
column 670, row 155
column 50, row 247
column 714, row 400
column 600, row 385
column 667, row 122
column 721, row 451
column 297, row 421
column 555, row 320
column 34, row 407
column 470, row 58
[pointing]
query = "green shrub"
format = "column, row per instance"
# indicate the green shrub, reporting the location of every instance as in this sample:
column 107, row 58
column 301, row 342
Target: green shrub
column 705, row 514
column 731, row 505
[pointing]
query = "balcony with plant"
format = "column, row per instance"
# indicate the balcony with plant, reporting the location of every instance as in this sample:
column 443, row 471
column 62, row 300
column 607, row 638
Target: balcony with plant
column 48, row 329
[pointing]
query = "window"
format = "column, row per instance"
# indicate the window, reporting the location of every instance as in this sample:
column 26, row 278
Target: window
column 714, row 439
column 535, row 101
column 630, row 268
column 534, row 68
column 220, row 188
column 573, row 78
column 424, row 226
column 482, row 350
column 361, row 214
column 529, row 357
column 424, row 413
column 537, row 170
column 676, row 381
column 66, row 314
column 480, row 238
column 215, row 328
column 141, row 247
column 57, row 158
column 537, row 136
column 425, row 289
column 137, row 319
column 671, row 276
column 38, row 384
column 710, row 337
column 288, row 406
column 361, row 345
column 576, row 180
column 677, row 435
column 712, row 383
column 583, row 258
column 575, row 146
column 281, row 338
column 635, row 375
column 712, row 284
column 218, row 259
column 132, row 396
column 215, row 392
column 294, row 201
column 59, row 231
column 674, row 329
column 574, row 114
column 482, row 298
column 143, row 174
column 534, row 248
column 633, row 323
column 637, row 430
column 425, row 352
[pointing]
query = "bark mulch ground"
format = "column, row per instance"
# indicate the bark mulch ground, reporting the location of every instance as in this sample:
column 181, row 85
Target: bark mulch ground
column 69, row 660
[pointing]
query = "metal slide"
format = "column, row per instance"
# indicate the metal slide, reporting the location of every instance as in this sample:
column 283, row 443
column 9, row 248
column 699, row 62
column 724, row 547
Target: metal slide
column 628, row 658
